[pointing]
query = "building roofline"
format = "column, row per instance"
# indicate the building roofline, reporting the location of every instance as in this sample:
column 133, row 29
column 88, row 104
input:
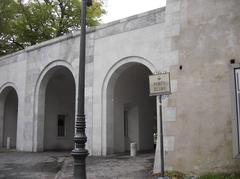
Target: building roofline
column 77, row 33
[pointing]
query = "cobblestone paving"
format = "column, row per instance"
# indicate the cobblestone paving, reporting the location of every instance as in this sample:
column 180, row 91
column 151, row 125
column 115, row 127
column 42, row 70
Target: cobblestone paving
column 59, row 165
column 113, row 167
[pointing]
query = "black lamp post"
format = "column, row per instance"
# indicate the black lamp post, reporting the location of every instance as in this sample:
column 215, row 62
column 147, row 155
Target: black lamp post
column 79, row 152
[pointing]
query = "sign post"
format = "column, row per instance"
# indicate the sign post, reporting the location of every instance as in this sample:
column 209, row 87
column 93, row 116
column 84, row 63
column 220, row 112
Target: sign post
column 159, row 85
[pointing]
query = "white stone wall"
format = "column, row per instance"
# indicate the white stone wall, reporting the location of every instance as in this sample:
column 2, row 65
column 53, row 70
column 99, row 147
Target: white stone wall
column 13, row 73
column 27, row 69
column 171, row 55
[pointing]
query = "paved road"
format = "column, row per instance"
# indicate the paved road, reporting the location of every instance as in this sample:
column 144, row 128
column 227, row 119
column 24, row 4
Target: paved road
column 59, row 165
column 30, row 165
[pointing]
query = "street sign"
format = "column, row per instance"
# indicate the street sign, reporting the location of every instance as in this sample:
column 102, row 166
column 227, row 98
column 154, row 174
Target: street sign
column 159, row 84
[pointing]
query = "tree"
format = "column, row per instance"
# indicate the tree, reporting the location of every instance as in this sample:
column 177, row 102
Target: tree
column 24, row 24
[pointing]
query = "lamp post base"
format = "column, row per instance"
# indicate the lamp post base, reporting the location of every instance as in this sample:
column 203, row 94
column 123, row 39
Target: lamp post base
column 79, row 166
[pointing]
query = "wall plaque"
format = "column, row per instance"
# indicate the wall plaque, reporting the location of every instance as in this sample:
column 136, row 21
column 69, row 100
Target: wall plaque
column 159, row 84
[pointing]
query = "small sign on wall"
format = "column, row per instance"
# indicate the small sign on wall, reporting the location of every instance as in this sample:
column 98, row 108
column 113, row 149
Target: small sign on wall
column 159, row 84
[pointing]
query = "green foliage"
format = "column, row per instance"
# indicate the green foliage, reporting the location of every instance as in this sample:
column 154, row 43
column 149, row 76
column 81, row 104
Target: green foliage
column 25, row 24
column 180, row 175
column 220, row 176
column 175, row 174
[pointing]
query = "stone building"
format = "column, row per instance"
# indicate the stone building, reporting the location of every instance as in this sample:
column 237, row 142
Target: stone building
column 193, row 40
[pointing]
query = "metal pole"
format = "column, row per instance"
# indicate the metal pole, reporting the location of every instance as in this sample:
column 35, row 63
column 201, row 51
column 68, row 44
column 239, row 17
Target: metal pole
column 161, row 137
column 79, row 152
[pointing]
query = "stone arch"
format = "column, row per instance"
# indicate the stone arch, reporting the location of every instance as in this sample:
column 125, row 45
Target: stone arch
column 8, row 114
column 107, row 91
column 39, row 96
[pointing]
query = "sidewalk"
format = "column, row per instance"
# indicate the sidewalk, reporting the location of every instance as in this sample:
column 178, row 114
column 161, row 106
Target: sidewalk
column 59, row 165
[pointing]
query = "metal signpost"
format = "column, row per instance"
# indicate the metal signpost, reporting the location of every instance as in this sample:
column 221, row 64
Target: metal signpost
column 159, row 85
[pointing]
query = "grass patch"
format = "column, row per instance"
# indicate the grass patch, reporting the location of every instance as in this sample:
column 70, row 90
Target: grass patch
column 220, row 176
column 175, row 174
column 172, row 175
column 211, row 175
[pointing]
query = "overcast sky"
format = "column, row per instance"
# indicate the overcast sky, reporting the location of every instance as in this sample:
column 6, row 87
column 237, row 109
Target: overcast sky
column 118, row 9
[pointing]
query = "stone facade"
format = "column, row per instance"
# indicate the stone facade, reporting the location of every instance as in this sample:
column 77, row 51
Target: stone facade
column 198, row 36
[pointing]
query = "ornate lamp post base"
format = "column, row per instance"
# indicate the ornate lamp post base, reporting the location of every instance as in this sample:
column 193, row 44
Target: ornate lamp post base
column 79, row 163
column 79, row 152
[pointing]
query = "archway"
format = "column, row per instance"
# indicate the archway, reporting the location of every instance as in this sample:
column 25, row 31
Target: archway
column 8, row 117
column 55, row 110
column 131, row 113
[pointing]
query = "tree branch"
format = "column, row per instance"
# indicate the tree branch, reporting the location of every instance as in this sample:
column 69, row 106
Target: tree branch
column 62, row 8
column 18, row 44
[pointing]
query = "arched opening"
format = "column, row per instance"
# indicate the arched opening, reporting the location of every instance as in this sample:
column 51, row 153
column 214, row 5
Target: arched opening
column 131, row 112
column 56, row 110
column 8, row 117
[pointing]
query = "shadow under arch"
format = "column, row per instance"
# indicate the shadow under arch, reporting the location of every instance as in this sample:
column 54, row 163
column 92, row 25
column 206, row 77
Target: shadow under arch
column 39, row 98
column 8, row 114
column 107, row 94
